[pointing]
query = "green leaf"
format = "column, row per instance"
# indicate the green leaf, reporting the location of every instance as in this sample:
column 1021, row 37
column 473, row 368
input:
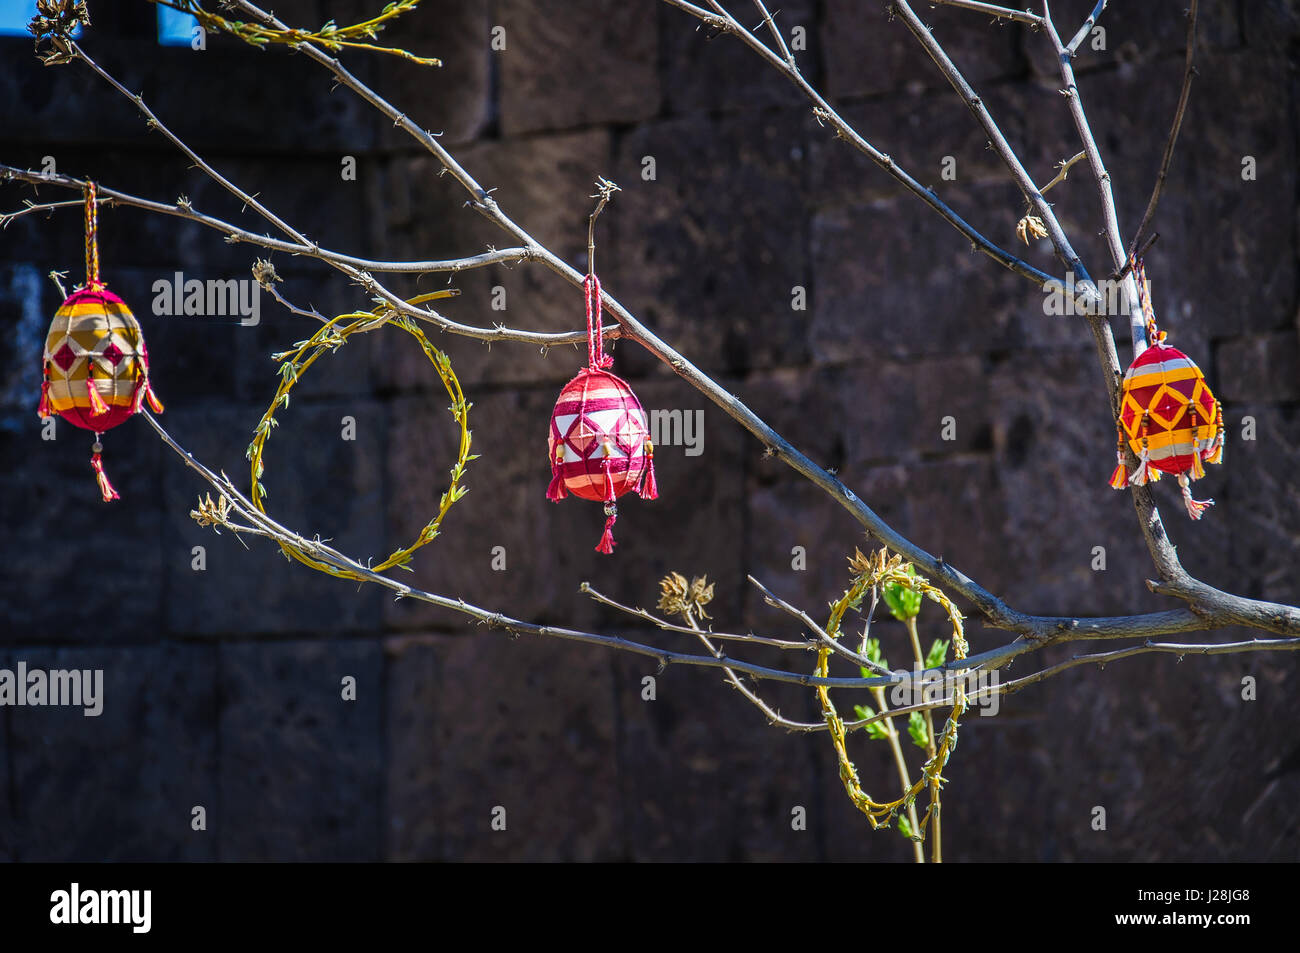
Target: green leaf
column 937, row 655
column 873, row 652
column 904, row 826
column 875, row 729
column 916, row 728
column 903, row 602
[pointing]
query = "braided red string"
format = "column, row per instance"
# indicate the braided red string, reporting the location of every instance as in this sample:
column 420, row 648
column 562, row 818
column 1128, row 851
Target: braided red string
column 596, row 356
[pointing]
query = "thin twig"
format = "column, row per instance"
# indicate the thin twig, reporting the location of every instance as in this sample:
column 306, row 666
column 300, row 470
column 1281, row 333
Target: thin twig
column 833, row 644
column 776, row 34
column 1088, row 24
column 605, row 190
column 1189, row 71
column 993, row 10
column 1064, row 166
column 637, row 612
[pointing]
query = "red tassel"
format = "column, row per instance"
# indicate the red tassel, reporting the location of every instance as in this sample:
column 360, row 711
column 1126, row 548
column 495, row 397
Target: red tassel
column 556, row 491
column 43, row 410
column 649, row 489
column 1195, row 508
column 105, row 488
column 606, row 544
column 97, row 405
column 610, row 495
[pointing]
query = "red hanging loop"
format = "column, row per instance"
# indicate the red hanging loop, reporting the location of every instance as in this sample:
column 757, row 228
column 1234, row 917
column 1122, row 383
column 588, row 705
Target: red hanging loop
column 596, row 356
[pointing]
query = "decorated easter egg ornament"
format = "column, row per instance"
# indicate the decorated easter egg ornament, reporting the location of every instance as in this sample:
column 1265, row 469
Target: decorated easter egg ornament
column 1168, row 414
column 96, row 372
column 599, row 440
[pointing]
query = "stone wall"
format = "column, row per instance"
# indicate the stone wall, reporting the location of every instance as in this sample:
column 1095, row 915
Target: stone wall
column 223, row 686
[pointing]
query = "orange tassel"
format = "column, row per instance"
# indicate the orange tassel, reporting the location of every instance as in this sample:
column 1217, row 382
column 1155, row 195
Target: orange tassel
column 1198, row 469
column 154, row 403
column 43, row 410
column 97, row 405
column 649, row 489
column 105, row 488
column 1215, row 454
column 1119, row 479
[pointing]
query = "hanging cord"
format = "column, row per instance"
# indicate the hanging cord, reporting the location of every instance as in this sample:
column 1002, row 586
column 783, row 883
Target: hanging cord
column 596, row 356
column 92, row 239
column 1154, row 334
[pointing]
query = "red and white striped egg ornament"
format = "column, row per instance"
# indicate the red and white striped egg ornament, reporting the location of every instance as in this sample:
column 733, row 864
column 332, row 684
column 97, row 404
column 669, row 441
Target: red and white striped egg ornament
column 599, row 442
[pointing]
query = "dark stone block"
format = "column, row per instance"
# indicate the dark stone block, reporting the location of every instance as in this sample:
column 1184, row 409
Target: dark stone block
column 301, row 768
column 1055, row 442
column 1147, row 32
column 714, row 72
column 700, row 744
column 413, row 826
column 1265, row 500
column 869, row 262
column 526, row 725
column 317, row 483
column 706, row 266
column 61, row 538
column 1271, row 23
column 454, row 99
column 1262, row 367
column 576, row 64
column 868, row 51
column 119, row 786
column 231, row 96
column 920, row 130
column 544, row 186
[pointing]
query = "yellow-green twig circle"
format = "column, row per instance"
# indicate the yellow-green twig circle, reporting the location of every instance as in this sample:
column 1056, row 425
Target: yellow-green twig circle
column 330, row 337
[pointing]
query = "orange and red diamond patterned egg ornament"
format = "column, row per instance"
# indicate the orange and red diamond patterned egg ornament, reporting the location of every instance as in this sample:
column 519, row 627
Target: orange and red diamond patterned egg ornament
column 96, row 371
column 599, row 440
column 1168, row 414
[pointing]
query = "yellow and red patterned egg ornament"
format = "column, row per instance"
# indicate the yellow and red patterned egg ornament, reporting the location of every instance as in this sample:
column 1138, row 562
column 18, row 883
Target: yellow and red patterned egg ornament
column 96, row 367
column 1169, row 416
column 599, row 441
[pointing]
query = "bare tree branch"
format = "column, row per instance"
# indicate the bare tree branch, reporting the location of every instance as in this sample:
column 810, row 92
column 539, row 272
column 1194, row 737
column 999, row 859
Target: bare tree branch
column 993, row 10
column 1088, row 24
